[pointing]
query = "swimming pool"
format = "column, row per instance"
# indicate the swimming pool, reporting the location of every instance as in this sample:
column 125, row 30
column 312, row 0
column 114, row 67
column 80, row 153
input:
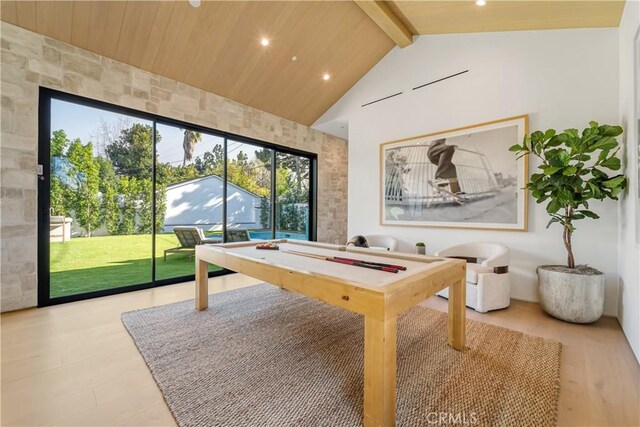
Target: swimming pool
column 279, row 235
column 263, row 235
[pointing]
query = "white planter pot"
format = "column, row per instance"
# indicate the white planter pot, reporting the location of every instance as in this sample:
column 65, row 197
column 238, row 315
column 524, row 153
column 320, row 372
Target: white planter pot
column 421, row 250
column 574, row 295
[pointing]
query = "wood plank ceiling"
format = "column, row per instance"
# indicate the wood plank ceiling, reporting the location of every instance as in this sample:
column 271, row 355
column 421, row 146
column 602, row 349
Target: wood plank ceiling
column 216, row 47
column 441, row 17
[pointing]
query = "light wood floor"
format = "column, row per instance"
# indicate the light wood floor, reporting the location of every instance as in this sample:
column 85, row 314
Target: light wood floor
column 75, row 364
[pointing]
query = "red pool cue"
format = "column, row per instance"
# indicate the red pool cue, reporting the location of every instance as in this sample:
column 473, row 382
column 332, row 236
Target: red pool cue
column 362, row 264
column 399, row 267
column 342, row 261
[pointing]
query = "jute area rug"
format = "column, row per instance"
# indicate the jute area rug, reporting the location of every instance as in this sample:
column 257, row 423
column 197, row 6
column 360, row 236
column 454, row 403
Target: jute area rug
column 262, row 356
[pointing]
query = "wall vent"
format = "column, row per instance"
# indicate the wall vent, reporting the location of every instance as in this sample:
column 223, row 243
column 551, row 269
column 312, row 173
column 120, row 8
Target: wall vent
column 382, row 99
column 439, row 80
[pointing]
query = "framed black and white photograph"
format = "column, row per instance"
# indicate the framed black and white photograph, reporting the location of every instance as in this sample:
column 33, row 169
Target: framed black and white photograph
column 461, row 178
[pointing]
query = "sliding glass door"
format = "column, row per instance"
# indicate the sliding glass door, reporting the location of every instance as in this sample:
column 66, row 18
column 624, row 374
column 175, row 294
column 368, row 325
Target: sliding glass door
column 189, row 196
column 125, row 196
column 100, row 200
column 293, row 186
column 248, row 191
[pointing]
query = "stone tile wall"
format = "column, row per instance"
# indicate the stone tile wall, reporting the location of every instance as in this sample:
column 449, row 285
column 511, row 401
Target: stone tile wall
column 29, row 60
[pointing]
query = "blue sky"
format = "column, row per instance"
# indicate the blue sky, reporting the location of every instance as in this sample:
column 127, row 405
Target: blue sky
column 83, row 122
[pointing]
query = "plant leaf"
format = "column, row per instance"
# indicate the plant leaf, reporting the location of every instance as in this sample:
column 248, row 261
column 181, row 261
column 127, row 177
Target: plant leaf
column 607, row 130
column 612, row 163
column 614, row 182
column 615, row 192
column 598, row 173
column 536, row 177
column 554, row 206
column 589, row 214
column 605, row 143
column 554, row 141
column 588, row 139
column 551, row 221
column 564, row 157
column 595, row 191
column 550, row 170
column 537, row 135
column 571, row 132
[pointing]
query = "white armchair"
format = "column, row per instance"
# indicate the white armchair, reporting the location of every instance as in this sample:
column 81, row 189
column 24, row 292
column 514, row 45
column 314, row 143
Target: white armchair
column 382, row 242
column 488, row 285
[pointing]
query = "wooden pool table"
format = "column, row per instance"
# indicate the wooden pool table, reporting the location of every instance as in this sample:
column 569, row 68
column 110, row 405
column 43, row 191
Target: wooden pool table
column 379, row 296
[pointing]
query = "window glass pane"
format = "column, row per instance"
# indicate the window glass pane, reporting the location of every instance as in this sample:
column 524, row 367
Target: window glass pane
column 189, row 199
column 292, row 196
column 100, row 188
column 248, row 191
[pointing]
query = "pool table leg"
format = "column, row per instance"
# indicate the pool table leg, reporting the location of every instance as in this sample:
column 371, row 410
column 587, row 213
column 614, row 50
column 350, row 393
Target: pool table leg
column 379, row 372
column 202, row 284
column 457, row 307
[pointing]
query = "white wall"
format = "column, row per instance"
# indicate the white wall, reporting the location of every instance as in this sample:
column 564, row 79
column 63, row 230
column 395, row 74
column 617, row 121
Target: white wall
column 561, row 78
column 629, row 263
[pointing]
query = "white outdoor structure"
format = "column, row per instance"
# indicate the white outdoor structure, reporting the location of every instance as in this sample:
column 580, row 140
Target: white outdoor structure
column 488, row 285
column 60, row 228
column 199, row 202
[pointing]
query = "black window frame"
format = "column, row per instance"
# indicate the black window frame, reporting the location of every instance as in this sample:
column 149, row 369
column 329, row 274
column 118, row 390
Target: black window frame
column 46, row 95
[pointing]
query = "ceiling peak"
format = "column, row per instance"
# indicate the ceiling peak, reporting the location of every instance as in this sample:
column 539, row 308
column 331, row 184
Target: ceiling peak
column 383, row 16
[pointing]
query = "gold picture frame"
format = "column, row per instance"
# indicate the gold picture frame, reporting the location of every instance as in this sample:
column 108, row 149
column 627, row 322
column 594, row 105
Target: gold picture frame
column 635, row 139
column 458, row 178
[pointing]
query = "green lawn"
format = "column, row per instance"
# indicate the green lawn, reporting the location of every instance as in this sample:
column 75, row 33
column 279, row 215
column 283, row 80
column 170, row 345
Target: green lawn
column 103, row 262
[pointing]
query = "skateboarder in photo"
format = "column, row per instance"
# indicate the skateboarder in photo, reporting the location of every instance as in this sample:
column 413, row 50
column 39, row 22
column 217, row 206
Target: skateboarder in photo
column 441, row 154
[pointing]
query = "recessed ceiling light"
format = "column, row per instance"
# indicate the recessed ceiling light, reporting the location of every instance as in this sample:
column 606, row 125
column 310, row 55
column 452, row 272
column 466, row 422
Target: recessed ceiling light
column 481, row 2
column 294, row 58
column 326, row 76
column 194, row 3
column 264, row 41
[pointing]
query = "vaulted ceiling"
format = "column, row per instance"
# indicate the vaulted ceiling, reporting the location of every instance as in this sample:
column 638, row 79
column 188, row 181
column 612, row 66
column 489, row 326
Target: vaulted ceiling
column 216, row 46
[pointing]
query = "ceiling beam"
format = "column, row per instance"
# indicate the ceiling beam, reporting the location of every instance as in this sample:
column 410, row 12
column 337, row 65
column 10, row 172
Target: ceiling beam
column 388, row 22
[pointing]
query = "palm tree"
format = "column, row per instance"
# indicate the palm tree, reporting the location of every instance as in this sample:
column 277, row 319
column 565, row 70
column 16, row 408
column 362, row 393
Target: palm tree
column 189, row 142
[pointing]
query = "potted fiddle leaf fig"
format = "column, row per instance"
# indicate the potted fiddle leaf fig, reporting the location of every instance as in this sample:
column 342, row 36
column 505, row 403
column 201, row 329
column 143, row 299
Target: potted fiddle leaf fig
column 576, row 169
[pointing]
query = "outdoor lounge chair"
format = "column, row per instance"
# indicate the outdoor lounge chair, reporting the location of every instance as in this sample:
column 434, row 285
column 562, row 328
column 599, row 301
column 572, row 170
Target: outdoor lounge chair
column 237, row 236
column 189, row 237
